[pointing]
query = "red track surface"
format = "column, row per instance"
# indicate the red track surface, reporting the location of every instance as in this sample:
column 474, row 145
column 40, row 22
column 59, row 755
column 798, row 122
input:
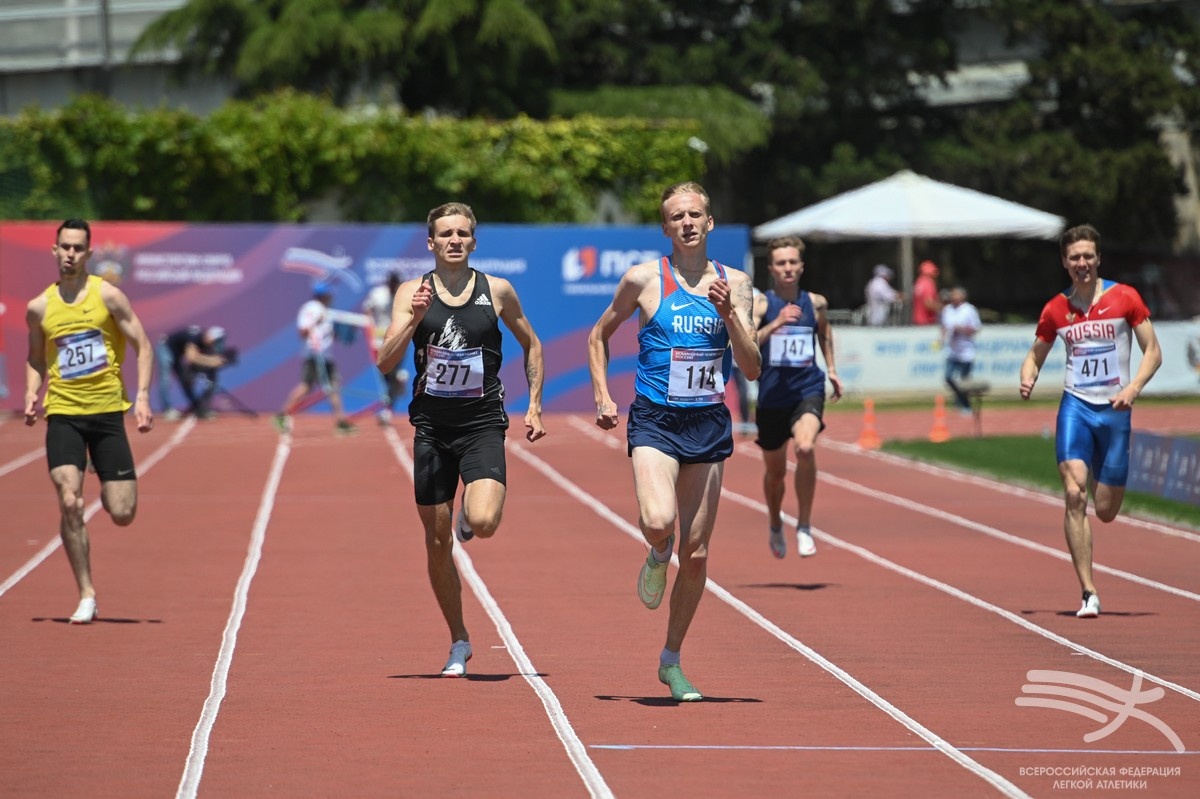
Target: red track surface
column 267, row 629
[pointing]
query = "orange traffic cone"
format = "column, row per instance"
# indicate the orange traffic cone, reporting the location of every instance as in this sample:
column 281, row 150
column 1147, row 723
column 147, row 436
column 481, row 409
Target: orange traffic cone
column 869, row 438
column 939, row 432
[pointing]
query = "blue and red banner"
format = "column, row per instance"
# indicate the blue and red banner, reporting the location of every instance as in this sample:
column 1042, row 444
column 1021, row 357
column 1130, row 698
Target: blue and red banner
column 252, row 279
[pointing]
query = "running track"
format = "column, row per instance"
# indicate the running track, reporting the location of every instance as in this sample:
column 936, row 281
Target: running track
column 267, row 630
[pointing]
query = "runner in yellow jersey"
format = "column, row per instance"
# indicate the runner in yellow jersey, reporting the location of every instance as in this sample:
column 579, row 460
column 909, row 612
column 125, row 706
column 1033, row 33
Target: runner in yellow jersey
column 78, row 331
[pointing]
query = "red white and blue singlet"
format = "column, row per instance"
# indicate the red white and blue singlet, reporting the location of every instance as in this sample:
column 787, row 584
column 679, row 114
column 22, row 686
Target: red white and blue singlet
column 684, row 358
column 1097, row 340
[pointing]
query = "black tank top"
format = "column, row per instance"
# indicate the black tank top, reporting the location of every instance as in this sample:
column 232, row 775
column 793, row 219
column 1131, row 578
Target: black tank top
column 457, row 353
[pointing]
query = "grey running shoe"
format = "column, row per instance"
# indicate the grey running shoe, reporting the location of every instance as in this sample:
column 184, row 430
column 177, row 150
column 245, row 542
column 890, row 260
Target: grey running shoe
column 460, row 653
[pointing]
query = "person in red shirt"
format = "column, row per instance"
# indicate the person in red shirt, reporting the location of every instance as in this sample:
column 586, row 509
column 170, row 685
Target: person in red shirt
column 927, row 308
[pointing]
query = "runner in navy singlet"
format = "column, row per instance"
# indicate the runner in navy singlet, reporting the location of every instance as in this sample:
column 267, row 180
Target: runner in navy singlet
column 790, row 325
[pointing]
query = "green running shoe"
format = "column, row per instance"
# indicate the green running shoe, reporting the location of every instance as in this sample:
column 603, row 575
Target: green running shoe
column 681, row 689
column 652, row 581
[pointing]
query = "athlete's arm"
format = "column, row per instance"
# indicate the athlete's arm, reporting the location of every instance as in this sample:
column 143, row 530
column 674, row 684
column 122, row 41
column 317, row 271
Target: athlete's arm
column 509, row 310
column 35, row 362
column 734, row 300
column 626, row 300
column 1032, row 365
column 825, row 340
column 1151, row 360
column 122, row 312
column 409, row 308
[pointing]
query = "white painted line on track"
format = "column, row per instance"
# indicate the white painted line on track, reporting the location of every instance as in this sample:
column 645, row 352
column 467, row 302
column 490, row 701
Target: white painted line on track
column 787, row 748
column 879, row 560
column 22, row 460
column 1009, row 489
column 576, row 751
column 193, row 768
column 1000, row 535
column 92, row 509
column 997, row 781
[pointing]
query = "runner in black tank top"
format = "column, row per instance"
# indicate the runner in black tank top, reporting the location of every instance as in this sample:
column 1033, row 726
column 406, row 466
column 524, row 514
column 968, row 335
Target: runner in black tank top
column 451, row 395
column 451, row 316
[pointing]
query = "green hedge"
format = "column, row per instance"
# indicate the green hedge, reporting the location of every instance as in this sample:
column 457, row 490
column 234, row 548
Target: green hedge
column 271, row 159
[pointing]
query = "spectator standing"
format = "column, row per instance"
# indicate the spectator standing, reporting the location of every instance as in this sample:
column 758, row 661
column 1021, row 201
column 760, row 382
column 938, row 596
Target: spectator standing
column 960, row 324
column 881, row 296
column 927, row 305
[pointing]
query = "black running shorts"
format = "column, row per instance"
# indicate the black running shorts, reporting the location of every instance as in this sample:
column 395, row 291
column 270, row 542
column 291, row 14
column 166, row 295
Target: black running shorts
column 70, row 439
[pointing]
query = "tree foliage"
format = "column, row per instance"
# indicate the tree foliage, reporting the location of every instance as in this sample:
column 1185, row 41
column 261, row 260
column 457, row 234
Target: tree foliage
column 796, row 100
column 272, row 158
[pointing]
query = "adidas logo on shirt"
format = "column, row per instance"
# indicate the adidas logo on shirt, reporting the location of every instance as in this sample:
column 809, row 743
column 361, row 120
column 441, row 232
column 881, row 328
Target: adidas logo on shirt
column 482, row 300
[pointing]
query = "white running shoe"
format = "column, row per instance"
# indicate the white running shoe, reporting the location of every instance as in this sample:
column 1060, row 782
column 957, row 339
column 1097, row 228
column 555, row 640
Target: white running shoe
column 1091, row 606
column 462, row 530
column 777, row 541
column 805, row 544
column 460, row 653
column 85, row 613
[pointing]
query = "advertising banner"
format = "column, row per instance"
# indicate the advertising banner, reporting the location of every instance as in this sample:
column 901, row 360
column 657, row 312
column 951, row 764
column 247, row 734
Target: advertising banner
column 252, row 280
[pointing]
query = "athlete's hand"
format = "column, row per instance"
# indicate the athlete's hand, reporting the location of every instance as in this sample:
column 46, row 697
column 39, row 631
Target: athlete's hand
column 533, row 426
column 1124, row 399
column 718, row 295
column 421, row 300
column 143, row 414
column 31, row 414
column 607, row 416
column 836, row 382
column 787, row 314
column 1027, row 388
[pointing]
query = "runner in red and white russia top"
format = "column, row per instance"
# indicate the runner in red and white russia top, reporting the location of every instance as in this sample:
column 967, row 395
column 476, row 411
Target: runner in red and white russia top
column 1098, row 340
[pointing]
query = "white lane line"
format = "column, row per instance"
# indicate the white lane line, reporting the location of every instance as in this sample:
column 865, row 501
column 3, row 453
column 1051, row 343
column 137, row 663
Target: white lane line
column 175, row 440
column 814, row 748
column 997, row 781
column 1009, row 489
column 1000, row 535
column 22, row 460
column 193, row 768
column 878, row 560
column 592, row 779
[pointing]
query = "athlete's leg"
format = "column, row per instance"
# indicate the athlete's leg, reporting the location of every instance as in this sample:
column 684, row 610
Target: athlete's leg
column 654, row 478
column 774, row 472
column 804, row 440
column 443, row 574
column 1078, row 530
column 699, row 486
column 68, row 484
column 483, row 504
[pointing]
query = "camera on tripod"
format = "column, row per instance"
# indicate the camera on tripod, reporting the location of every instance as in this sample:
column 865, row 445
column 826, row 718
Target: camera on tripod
column 230, row 354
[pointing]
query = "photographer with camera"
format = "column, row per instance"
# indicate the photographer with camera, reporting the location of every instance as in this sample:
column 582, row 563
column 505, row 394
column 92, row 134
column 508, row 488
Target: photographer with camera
column 193, row 355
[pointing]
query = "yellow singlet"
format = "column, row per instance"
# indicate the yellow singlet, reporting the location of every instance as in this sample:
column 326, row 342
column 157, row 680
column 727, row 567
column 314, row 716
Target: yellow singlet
column 84, row 350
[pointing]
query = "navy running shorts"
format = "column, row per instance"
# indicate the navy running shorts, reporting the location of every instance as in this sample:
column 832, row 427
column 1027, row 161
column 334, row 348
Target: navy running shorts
column 442, row 456
column 70, row 439
column 689, row 435
column 775, row 424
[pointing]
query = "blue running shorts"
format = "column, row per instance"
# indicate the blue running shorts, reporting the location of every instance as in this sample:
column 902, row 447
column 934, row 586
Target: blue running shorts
column 1098, row 435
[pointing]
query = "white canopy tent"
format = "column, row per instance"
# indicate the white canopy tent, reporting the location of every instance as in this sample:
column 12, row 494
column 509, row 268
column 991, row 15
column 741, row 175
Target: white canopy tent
column 908, row 206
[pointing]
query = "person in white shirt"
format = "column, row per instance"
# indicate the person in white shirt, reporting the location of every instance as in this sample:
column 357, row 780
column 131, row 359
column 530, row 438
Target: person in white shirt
column 881, row 296
column 960, row 324
column 378, row 307
column 316, row 331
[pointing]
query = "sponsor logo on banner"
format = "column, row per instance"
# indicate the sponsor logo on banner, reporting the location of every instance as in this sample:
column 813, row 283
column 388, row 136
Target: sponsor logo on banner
column 590, row 270
column 110, row 262
column 321, row 266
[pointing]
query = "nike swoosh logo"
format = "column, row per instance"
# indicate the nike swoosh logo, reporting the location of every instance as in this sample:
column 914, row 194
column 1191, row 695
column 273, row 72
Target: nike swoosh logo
column 675, row 307
column 123, row 472
column 1101, row 310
